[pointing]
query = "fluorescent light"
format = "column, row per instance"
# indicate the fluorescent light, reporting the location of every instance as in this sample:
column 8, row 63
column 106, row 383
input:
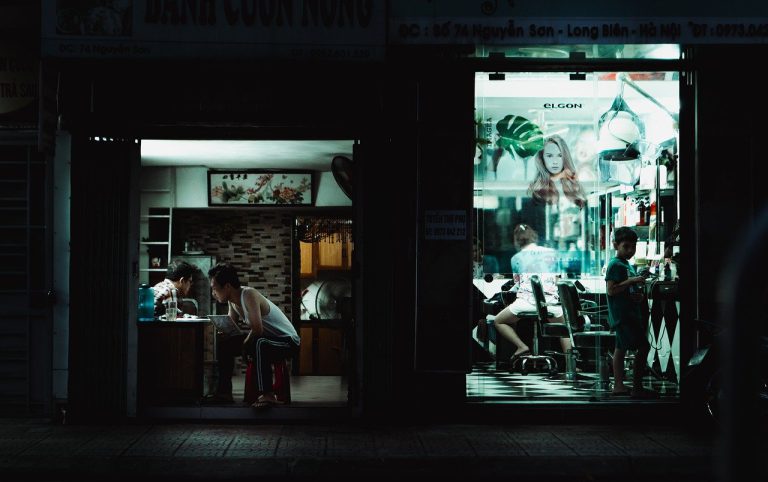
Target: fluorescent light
column 485, row 202
column 665, row 51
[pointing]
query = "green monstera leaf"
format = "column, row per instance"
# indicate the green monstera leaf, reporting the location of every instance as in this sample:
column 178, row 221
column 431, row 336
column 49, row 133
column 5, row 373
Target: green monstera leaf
column 520, row 135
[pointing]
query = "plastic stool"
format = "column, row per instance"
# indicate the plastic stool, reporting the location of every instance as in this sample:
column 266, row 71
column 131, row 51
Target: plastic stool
column 281, row 384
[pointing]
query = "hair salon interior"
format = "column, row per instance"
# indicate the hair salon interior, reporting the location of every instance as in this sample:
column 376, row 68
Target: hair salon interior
column 407, row 152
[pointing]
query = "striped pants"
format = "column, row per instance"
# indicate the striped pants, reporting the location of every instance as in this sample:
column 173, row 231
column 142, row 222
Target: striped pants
column 264, row 351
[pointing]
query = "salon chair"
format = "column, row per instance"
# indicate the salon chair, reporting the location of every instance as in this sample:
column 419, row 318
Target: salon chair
column 585, row 334
column 541, row 327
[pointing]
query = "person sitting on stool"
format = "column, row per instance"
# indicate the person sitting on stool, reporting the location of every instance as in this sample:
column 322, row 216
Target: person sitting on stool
column 271, row 337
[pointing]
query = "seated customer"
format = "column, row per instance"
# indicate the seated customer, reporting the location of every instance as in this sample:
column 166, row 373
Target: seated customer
column 271, row 337
column 531, row 259
column 177, row 283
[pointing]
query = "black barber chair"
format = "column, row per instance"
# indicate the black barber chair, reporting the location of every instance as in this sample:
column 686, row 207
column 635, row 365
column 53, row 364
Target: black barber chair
column 584, row 334
column 541, row 327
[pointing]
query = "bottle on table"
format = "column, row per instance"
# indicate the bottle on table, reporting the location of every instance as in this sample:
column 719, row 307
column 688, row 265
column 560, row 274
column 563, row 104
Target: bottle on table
column 146, row 303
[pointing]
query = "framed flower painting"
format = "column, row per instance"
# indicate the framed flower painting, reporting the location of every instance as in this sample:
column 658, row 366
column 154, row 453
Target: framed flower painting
column 259, row 188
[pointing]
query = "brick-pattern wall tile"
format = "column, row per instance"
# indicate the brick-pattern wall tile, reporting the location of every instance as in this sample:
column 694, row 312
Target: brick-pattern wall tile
column 258, row 244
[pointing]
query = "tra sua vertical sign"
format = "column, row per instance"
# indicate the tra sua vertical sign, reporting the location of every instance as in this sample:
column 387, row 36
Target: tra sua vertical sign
column 18, row 87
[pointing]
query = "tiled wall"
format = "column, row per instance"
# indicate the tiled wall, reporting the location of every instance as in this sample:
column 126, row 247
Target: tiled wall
column 257, row 243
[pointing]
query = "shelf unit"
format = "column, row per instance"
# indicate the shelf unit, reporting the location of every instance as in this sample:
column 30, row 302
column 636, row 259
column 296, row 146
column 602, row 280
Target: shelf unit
column 155, row 222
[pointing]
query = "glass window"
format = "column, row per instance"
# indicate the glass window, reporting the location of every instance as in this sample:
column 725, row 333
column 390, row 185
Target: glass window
column 561, row 162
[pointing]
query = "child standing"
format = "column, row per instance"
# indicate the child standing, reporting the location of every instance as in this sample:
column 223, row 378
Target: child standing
column 625, row 294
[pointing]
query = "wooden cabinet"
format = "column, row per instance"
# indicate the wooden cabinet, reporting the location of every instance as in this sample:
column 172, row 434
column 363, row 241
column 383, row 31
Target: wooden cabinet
column 323, row 336
column 322, row 350
column 324, row 254
column 170, row 363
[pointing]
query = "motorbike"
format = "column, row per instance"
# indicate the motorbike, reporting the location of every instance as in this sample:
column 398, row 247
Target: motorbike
column 704, row 374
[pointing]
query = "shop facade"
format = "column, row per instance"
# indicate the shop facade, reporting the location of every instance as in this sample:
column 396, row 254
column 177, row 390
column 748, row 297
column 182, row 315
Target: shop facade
column 419, row 104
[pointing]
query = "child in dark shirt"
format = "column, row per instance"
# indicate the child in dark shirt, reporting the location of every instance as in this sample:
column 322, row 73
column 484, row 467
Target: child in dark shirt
column 625, row 293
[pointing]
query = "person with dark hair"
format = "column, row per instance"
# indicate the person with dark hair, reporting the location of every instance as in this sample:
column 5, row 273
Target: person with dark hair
column 531, row 259
column 481, row 262
column 177, row 283
column 625, row 294
column 272, row 336
column 556, row 175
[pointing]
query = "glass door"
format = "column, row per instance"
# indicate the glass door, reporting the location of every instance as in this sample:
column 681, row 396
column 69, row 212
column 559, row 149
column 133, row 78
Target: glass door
column 563, row 160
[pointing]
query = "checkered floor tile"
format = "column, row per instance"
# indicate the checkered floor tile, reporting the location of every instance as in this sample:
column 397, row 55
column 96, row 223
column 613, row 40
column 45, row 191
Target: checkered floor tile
column 485, row 382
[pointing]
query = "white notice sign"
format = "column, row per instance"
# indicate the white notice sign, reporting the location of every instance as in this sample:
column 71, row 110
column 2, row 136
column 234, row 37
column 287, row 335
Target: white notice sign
column 445, row 225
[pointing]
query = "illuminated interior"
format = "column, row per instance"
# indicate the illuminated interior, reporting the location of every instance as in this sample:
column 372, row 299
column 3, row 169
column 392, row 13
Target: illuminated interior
column 622, row 136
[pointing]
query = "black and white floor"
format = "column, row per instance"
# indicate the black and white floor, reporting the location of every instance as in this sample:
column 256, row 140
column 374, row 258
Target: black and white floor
column 487, row 383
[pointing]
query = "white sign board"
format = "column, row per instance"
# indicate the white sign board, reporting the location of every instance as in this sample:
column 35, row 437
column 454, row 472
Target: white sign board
column 445, row 225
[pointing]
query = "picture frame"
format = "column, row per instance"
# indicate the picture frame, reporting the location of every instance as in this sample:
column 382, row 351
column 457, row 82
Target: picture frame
column 254, row 187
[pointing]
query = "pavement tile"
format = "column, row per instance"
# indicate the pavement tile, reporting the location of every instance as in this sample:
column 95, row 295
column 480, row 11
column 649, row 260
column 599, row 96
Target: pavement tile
column 301, row 444
column 249, row 451
column 253, row 445
column 445, row 443
column 540, row 443
column 159, row 442
column 350, row 444
column 397, row 444
column 205, row 442
column 683, row 443
column 586, row 443
column 635, row 443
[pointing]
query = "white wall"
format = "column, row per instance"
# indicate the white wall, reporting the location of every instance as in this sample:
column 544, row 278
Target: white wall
column 329, row 193
column 191, row 187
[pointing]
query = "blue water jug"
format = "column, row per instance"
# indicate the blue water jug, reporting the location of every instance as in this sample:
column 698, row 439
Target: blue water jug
column 146, row 303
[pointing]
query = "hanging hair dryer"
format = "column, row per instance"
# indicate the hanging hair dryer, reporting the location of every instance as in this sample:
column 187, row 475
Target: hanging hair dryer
column 620, row 131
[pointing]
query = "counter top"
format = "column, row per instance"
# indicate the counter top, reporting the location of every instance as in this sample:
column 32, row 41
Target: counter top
column 489, row 288
column 178, row 320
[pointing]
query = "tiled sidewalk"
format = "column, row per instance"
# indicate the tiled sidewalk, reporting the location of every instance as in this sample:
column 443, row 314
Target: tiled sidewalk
column 37, row 450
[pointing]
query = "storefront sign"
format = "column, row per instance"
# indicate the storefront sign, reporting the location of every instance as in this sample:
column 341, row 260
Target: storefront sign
column 18, row 86
column 543, row 22
column 445, row 225
column 299, row 29
column 542, row 31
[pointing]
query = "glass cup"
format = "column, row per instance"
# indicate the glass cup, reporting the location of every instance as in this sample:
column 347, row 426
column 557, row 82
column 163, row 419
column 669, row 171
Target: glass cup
column 171, row 310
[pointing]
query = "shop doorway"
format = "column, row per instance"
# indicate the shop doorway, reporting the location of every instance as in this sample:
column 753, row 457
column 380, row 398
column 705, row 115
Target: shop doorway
column 264, row 206
column 617, row 140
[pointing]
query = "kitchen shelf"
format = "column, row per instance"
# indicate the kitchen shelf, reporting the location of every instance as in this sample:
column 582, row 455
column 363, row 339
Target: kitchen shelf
column 157, row 189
